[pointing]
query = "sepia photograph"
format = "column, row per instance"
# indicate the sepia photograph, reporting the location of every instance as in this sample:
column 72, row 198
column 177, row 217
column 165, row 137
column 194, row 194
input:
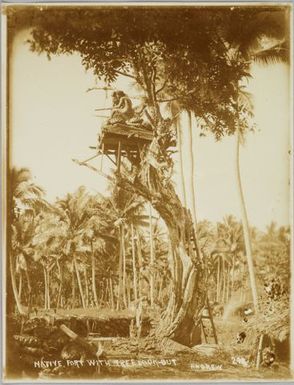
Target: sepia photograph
column 147, row 192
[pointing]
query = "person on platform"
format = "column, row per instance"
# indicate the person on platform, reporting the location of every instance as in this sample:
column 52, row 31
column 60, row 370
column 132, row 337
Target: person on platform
column 122, row 109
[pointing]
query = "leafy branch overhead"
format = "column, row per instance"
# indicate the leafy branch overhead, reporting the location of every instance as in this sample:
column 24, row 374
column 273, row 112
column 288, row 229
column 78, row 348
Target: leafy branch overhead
column 179, row 53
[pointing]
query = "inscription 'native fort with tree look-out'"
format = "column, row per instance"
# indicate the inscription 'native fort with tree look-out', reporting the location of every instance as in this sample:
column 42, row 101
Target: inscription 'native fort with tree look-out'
column 92, row 277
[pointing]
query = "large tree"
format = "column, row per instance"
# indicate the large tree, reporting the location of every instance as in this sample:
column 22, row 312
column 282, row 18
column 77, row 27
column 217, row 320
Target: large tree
column 175, row 53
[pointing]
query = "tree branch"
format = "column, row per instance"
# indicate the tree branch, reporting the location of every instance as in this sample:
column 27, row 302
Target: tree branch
column 162, row 87
column 126, row 74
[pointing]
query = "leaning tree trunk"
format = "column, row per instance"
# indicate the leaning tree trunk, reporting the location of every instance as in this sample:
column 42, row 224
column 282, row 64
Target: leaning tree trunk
column 245, row 225
column 188, row 276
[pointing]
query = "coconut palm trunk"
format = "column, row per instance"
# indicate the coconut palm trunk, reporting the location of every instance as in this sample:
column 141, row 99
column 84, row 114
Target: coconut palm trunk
column 14, row 287
column 79, row 283
column 58, row 301
column 86, row 287
column 134, row 264
column 179, row 148
column 124, row 272
column 245, row 225
column 139, row 249
column 45, row 289
column 152, row 258
column 218, row 286
column 192, row 168
column 120, row 270
column 73, row 286
column 94, row 289
column 20, row 286
column 48, row 289
column 111, row 293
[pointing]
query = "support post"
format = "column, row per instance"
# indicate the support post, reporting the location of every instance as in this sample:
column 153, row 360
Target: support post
column 102, row 154
column 118, row 156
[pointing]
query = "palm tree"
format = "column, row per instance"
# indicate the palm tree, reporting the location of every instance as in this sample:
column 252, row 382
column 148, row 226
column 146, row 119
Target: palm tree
column 246, row 40
column 124, row 211
column 24, row 201
column 74, row 216
column 48, row 242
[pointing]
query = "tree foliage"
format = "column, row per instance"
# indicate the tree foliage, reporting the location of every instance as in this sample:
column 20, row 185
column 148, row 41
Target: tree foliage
column 175, row 53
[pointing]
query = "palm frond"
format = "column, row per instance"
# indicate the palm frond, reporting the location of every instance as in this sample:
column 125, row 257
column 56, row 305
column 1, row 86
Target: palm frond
column 272, row 55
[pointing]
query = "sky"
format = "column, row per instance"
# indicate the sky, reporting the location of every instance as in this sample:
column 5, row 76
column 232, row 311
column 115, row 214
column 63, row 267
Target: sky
column 53, row 121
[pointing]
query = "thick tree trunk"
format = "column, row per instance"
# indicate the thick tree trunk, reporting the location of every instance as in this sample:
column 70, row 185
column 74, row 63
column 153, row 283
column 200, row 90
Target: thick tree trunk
column 245, row 225
column 189, row 281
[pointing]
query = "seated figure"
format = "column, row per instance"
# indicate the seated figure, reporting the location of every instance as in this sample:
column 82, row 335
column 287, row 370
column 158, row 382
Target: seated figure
column 122, row 109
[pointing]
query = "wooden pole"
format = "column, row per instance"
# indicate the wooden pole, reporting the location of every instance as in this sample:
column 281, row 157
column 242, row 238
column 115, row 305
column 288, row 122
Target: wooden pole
column 259, row 351
column 118, row 156
column 102, row 155
column 81, row 341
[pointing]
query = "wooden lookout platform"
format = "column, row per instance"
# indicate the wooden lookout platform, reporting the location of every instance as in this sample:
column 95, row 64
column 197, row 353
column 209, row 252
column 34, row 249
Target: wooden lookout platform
column 123, row 140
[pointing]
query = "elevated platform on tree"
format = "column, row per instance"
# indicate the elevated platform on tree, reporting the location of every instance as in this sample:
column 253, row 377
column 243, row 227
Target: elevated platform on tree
column 123, row 138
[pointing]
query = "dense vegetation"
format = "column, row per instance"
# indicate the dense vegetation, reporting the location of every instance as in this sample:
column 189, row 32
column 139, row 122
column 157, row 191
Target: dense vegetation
column 94, row 252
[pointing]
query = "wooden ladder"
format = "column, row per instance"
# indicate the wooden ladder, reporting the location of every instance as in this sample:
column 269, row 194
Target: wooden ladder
column 209, row 317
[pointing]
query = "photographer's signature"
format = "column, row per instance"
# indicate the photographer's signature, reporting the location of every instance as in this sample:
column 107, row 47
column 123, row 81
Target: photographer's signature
column 206, row 367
